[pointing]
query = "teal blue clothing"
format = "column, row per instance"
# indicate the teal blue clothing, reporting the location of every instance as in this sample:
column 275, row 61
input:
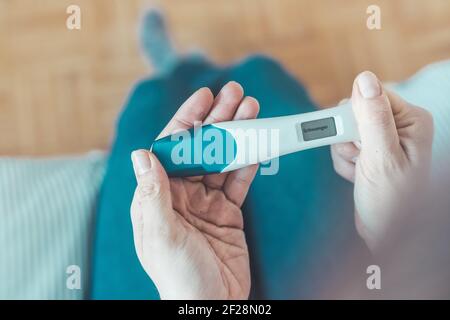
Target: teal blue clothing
column 298, row 223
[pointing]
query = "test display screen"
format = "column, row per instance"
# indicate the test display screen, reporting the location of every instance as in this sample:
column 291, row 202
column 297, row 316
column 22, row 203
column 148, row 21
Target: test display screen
column 317, row 129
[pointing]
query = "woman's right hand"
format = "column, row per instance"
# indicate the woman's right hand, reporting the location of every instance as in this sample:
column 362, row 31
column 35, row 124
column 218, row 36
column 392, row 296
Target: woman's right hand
column 390, row 165
column 188, row 232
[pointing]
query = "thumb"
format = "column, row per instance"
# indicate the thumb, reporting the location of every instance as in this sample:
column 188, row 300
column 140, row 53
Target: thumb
column 374, row 116
column 152, row 192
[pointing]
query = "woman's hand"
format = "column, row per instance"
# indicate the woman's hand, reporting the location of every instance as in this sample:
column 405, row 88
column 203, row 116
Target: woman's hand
column 390, row 166
column 188, row 232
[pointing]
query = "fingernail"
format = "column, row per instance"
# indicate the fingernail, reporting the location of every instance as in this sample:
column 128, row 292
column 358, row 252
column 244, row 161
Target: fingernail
column 141, row 162
column 357, row 144
column 354, row 159
column 368, row 85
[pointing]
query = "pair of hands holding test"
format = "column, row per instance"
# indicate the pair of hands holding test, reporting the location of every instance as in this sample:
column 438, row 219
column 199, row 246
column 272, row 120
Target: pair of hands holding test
column 188, row 232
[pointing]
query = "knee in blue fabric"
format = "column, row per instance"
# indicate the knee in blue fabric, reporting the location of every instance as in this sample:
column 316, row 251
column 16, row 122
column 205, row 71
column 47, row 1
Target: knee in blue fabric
column 278, row 92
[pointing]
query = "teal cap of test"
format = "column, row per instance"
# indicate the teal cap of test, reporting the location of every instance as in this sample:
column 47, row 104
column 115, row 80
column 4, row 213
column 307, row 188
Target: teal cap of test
column 197, row 151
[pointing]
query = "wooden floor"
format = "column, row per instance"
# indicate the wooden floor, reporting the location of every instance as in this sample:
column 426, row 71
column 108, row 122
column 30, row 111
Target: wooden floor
column 61, row 90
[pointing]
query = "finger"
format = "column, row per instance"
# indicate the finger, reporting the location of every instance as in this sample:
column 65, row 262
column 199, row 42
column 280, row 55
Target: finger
column 398, row 105
column 137, row 224
column 238, row 182
column 348, row 151
column 152, row 194
column 411, row 117
column 196, row 108
column 356, row 143
column 423, row 119
column 344, row 168
column 224, row 108
column 248, row 109
column 226, row 103
column 374, row 116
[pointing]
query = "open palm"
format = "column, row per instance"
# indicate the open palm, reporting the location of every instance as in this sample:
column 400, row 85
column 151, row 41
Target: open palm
column 188, row 232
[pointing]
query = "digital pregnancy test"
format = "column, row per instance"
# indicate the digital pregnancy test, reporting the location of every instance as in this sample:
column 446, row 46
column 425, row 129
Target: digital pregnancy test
column 230, row 145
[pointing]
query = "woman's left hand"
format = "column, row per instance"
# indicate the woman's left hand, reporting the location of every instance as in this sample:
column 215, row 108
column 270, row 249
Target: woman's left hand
column 391, row 166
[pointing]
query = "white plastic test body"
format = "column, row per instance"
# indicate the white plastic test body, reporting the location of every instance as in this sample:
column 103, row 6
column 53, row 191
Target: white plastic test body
column 254, row 139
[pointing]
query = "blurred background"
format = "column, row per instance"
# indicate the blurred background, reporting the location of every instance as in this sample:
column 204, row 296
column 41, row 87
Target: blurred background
column 61, row 90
